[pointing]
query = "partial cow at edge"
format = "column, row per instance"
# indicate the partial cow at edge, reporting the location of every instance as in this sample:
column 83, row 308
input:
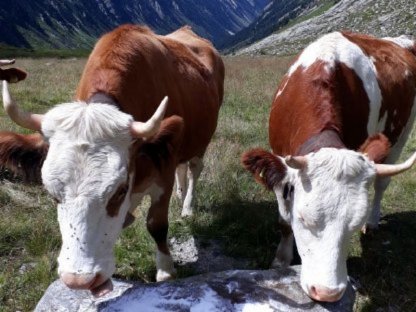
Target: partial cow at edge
column 345, row 107
column 102, row 153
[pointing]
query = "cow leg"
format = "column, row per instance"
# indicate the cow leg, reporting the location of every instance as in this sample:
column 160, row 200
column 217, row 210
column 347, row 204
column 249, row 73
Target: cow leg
column 380, row 185
column 157, row 225
column 284, row 253
column 181, row 181
column 195, row 168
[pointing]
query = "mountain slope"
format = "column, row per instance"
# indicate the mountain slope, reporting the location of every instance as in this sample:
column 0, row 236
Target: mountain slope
column 276, row 15
column 54, row 24
column 376, row 17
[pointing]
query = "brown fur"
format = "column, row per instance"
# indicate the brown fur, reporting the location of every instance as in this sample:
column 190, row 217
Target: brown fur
column 266, row 168
column 338, row 101
column 12, row 74
column 23, row 154
column 376, row 147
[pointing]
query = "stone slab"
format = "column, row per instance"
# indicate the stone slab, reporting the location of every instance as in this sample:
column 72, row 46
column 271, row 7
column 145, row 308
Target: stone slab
column 233, row 290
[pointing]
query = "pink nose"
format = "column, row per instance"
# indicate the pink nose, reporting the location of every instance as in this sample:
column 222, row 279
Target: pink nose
column 78, row 281
column 322, row 293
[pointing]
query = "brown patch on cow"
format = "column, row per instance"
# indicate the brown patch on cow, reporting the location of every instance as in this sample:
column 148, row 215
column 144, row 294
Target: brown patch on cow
column 137, row 68
column 12, row 75
column 352, row 103
column 302, row 109
column 396, row 75
column 114, row 204
column 23, row 154
column 266, row 168
column 315, row 100
column 376, row 147
column 163, row 147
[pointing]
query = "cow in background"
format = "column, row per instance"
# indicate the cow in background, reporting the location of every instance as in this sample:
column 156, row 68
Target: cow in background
column 103, row 152
column 345, row 107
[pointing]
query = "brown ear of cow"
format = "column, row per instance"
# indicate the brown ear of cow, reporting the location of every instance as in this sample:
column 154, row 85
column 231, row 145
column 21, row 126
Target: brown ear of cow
column 12, row 75
column 376, row 147
column 161, row 147
column 23, row 155
column 266, row 168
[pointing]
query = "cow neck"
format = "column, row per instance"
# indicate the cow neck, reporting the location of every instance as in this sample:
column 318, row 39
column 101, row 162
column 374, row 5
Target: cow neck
column 326, row 138
column 103, row 98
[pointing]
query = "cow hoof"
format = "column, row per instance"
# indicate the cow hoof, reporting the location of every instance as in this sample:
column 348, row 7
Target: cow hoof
column 162, row 275
column 186, row 213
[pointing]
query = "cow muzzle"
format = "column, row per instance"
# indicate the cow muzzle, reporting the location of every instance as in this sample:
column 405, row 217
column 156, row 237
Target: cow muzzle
column 96, row 283
column 322, row 293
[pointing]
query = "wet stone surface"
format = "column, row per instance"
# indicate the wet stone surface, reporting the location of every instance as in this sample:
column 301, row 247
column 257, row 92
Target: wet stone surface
column 233, row 290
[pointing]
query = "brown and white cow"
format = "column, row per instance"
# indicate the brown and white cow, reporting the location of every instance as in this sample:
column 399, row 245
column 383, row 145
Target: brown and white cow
column 346, row 105
column 102, row 158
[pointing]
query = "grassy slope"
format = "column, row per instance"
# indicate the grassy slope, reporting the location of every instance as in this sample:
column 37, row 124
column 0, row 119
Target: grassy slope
column 30, row 239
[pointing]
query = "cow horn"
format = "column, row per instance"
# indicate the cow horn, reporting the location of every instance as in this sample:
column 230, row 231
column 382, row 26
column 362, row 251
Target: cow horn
column 6, row 62
column 22, row 118
column 150, row 127
column 383, row 170
column 296, row 162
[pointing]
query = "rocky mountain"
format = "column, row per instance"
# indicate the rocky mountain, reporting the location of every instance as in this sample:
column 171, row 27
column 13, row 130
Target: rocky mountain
column 56, row 24
column 377, row 17
column 276, row 15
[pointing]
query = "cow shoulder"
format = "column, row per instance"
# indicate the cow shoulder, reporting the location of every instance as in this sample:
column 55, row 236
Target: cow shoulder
column 23, row 155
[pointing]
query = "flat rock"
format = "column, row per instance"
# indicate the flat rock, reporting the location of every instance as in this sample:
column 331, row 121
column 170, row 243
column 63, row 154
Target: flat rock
column 234, row 290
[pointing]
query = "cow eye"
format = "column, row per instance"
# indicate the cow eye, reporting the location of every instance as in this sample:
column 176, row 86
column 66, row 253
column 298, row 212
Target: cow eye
column 288, row 191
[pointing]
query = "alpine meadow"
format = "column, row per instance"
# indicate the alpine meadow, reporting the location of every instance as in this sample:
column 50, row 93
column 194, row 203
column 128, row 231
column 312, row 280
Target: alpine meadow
column 230, row 208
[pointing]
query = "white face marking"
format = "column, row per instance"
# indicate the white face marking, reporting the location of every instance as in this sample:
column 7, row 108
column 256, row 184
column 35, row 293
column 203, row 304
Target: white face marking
column 333, row 48
column 87, row 162
column 329, row 202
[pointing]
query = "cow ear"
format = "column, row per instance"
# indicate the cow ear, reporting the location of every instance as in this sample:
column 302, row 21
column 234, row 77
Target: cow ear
column 266, row 168
column 161, row 147
column 23, row 155
column 12, row 74
column 376, row 147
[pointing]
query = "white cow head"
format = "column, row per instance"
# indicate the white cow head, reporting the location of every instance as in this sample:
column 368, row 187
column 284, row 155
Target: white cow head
column 324, row 197
column 88, row 171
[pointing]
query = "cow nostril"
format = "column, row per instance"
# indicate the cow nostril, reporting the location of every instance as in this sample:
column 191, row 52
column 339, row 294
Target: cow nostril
column 322, row 293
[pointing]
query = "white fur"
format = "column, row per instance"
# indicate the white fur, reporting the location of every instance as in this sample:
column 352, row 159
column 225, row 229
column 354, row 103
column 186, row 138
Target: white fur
column 381, row 184
column 181, row 181
column 164, row 266
column 86, row 163
column 329, row 203
column 334, row 47
column 403, row 41
column 195, row 169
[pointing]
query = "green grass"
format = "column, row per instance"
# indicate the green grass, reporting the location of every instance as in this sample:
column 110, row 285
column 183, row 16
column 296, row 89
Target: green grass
column 230, row 207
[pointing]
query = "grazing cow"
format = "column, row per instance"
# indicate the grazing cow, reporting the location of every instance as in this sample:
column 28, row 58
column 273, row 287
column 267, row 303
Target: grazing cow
column 102, row 158
column 346, row 105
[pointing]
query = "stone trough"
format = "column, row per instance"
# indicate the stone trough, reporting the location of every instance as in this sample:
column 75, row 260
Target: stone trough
column 233, row 290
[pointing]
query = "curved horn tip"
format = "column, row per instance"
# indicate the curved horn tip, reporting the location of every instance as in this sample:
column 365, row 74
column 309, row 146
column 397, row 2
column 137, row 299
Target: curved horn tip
column 384, row 170
column 7, row 62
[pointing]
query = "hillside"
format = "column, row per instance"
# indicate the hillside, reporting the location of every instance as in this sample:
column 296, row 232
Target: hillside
column 52, row 24
column 376, row 17
column 276, row 15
